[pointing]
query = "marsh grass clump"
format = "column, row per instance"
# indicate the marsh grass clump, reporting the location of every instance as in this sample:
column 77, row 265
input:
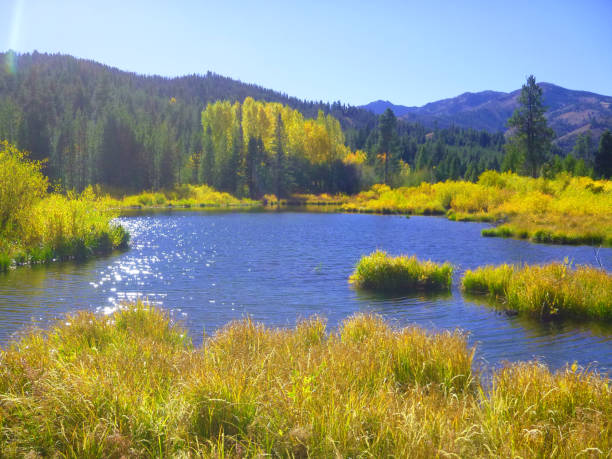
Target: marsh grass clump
column 382, row 272
column 546, row 291
column 132, row 384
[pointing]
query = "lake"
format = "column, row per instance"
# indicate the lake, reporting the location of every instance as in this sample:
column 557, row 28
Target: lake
column 208, row 268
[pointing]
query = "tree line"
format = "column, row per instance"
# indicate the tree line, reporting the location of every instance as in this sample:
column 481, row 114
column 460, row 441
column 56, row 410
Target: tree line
column 93, row 124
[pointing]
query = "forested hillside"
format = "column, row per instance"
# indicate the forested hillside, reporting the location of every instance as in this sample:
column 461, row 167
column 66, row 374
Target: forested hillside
column 569, row 113
column 97, row 124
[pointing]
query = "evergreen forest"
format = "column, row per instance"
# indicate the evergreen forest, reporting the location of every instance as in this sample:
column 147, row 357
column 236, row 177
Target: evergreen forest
column 94, row 124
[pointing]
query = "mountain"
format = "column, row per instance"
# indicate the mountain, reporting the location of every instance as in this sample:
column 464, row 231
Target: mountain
column 569, row 112
column 379, row 106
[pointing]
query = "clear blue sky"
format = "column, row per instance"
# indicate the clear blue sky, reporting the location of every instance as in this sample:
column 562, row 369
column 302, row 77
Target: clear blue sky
column 407, row 52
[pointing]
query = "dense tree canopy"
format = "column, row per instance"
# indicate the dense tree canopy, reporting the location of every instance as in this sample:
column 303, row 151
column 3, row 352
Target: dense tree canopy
column 257, row 148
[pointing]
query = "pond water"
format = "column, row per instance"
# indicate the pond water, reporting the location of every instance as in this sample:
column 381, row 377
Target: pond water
column 277, row 267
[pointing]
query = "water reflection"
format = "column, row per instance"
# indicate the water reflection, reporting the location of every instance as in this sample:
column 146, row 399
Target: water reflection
column 208, row 268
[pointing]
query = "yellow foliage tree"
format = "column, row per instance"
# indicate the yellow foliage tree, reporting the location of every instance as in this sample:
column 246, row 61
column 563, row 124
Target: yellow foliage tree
column 22, row 184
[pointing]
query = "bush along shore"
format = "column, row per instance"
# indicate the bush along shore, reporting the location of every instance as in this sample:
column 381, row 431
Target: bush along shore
column 549, row 291
column 564, row 210
column 37, row 226
column 131, row 385
column 382, row 272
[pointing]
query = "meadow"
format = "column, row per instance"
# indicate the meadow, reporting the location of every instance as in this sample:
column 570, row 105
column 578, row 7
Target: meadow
column 38, row 226
column 566, row 210
column 132, row 384
column 548, row 291
column 382, row 272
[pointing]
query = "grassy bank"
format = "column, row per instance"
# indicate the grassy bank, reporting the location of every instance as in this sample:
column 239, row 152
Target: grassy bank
column 382, row 272
column 37, row 226
column 133, row 385
column 205, row 196
column 547, row 291
column 567, row 210
column 180, row 196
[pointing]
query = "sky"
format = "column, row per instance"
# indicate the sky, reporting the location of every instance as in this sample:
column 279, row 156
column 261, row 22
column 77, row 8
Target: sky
column 410, row 53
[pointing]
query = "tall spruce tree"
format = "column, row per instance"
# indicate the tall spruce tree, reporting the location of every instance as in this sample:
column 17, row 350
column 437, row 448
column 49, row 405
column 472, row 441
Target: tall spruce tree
column 603, row 158
column 387, row 126
column 532, row 135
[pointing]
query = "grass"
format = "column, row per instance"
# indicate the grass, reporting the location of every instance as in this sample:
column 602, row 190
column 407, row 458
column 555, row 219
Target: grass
column 37, row 226
column 381, row 272
column 546, row 291
column 182, row 196
column 63, row 227
column 132, row 384
column 566, row 210
column 205, row 196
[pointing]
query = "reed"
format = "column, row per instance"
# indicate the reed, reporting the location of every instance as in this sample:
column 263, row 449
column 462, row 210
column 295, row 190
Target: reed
column 549, row 291
column 382, row 272
column 132, row 384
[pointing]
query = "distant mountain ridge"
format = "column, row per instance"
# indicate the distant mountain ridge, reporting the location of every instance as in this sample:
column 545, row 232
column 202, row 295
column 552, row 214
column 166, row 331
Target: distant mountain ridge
column 569, row 113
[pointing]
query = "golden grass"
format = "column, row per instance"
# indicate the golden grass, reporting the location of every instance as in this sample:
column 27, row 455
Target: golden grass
column 567, row 210
column 183, row 196
column 132, row 385
column 382, row 272
column 546, row 291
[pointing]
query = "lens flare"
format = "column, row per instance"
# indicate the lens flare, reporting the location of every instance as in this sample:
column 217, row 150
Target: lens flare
column 10, row 61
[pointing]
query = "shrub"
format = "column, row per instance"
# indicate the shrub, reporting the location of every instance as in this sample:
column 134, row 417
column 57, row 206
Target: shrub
column 22, row 184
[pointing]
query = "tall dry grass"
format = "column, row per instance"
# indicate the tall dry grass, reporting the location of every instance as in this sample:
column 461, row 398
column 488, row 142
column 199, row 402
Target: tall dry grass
column 546, row 291
column 132, row 385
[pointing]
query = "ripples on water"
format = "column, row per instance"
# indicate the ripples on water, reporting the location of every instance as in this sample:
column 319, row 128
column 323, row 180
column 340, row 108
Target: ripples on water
column 210, row 268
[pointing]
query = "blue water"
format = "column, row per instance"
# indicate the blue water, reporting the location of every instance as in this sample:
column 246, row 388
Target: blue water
column 277, row 267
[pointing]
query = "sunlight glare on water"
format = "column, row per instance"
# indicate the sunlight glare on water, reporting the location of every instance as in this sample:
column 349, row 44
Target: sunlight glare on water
column 278, row 267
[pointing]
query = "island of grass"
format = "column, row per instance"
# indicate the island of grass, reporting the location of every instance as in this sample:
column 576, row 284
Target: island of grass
column 132, row 385
column 384, row 273
column 38, row 226
column 549, row 291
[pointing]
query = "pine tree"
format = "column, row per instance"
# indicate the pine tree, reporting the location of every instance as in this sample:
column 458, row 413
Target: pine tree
column 603, row 158
column 251, row 165
column 532, row 134
column 387, row 126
